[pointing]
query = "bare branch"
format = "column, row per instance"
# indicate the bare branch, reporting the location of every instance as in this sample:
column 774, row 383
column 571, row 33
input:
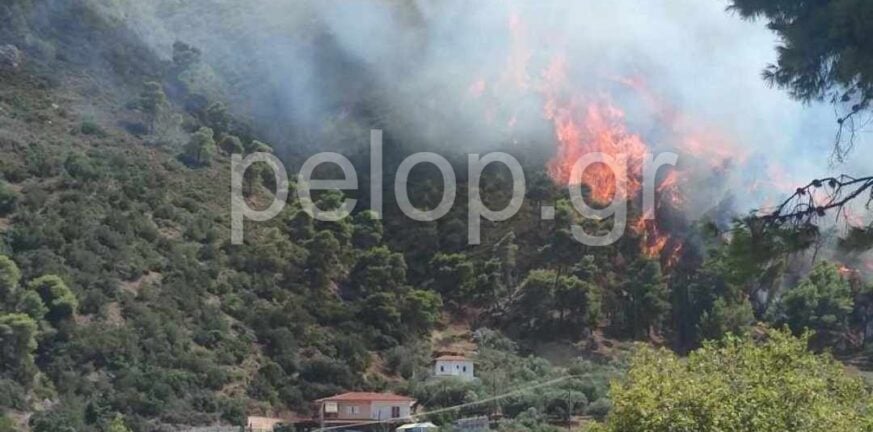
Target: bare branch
column 815, row 200
column 848, row 126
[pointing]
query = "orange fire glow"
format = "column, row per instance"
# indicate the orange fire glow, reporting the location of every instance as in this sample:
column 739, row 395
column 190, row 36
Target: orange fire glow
column 596, row 128
column 847, row 271
column 586, row 122
column 584, row 126
column 674, row 255
column 652, row 239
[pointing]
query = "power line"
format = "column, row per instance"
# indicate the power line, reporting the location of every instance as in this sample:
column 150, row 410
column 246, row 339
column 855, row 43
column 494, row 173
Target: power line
column 460, row 406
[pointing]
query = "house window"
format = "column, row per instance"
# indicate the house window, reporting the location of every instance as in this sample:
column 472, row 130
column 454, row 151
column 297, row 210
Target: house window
column 395, row 411
column 465, row 368
column 353, row 409
column 442, row 368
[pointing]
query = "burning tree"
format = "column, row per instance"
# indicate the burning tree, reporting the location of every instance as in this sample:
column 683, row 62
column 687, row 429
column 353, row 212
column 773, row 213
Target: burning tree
column 822, row 56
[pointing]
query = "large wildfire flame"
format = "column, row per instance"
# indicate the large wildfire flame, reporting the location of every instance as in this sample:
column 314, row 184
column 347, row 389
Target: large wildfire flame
column 586, row 127
column 596, row 128
column 590, row 121
column 585, row 124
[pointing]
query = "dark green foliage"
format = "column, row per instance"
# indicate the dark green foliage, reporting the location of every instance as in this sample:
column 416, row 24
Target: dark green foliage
column 31, row 304
column 548, row 303
column 378, row 270
column 184, row 55
column 217, row 118
column 644, row 301
column 823, row 46
column 454, row 277
column 8, row 199
column 858, row 239
column 18, row 334
column 200, row 147
column 153, row 103
column 368, row 230
column 152, row 99
column 40, row 162
column 420, row 310
column 409, row 360
column 60, row 301
column 324, row 257
column 10, row 276
column 599, row 409
column 91, row 128
column 380, row 310
column 81, row 167
column 825, row 53
column 231, row 145
column 822, row 302
column 726, row 317
column 13, row 395
column 68, row 418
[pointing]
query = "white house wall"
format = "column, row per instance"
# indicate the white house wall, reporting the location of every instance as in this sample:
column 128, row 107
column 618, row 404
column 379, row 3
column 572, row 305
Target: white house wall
column 382, row 410
column 454, row 368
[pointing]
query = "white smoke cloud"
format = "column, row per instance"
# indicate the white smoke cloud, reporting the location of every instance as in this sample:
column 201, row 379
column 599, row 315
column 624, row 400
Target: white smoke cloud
column 296, row 63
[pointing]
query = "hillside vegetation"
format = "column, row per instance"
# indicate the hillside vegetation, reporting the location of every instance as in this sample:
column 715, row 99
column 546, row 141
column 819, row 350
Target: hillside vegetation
column 123, row 304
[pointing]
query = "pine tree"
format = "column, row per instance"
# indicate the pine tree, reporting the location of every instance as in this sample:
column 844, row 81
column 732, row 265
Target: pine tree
column 200, row 147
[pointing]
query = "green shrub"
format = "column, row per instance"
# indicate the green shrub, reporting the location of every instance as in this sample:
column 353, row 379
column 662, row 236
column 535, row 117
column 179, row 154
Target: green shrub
column 7, row 425
column 12, row 395
column 40, row 162
column 231, row 145
column 8, row 199
column 90, row 128
column 739, row 384
column 81, row 167
column 599, row 408
column 200, row 148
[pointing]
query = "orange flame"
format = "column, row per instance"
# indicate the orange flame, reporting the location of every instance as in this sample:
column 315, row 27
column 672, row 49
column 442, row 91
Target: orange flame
column 847, row 272
column 652, row 240
column 675, row 255
column 584, row 127
column 670, row 188
column 597, row 128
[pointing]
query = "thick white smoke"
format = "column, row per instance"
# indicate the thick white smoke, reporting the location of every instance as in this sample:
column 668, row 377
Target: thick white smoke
column 465, row 75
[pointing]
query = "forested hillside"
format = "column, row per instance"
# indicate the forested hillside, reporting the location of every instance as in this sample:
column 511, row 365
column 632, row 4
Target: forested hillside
column 123, row 305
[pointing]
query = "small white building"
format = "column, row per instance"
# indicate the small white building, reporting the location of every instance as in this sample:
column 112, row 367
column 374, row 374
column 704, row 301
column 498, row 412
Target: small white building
column 365, row 406
column 453, row 365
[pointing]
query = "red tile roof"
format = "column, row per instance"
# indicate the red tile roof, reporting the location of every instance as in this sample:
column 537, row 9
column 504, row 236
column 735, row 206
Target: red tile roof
column 453, row 357
column 367, row 396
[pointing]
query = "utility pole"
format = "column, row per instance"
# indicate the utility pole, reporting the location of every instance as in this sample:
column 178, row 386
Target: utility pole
column 321, row 417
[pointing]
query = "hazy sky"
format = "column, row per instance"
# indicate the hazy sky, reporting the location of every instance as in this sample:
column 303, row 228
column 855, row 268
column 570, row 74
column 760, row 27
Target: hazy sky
column 695, row 57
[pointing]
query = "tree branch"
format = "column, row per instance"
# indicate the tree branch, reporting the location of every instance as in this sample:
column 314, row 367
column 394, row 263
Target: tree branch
column 815, row 200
